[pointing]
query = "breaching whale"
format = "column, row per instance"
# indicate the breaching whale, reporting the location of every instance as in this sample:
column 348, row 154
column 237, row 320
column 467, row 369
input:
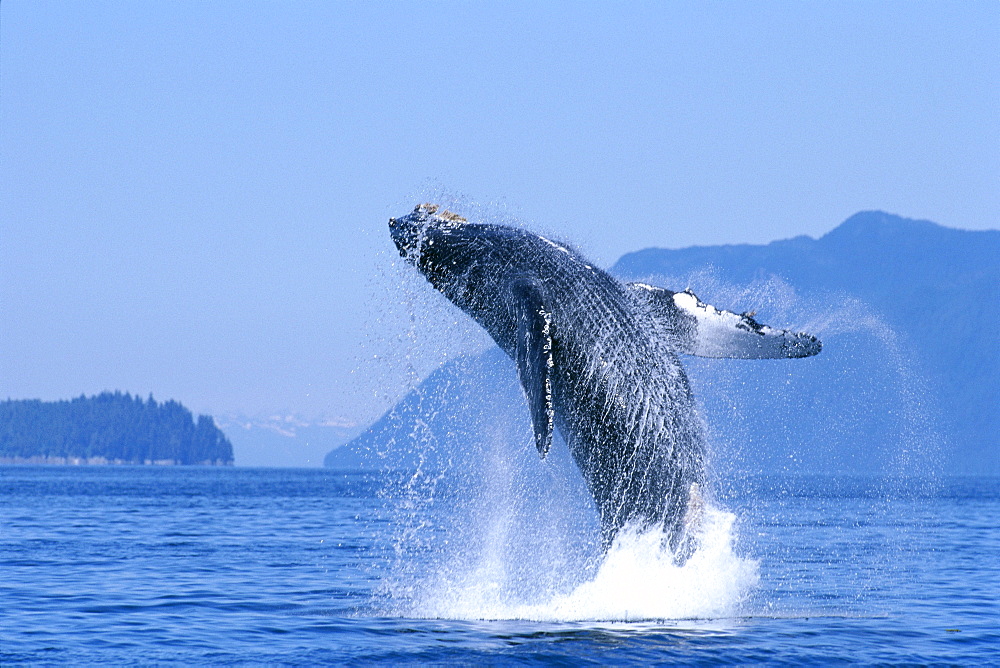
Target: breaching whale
column 597, row 358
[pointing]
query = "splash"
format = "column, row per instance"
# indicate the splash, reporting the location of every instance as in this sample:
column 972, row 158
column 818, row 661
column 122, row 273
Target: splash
column 638, row 579
column 497, row 534
column 484, row 530
column 516, row 551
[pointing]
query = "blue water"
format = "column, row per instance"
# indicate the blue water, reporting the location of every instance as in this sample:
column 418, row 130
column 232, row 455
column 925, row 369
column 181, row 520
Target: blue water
column 141, row 565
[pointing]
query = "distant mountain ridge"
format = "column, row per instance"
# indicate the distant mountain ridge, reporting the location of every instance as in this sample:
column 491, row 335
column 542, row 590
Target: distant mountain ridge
column 939, row 287
column 929, row 384
column 284, row 440
column 870, row 253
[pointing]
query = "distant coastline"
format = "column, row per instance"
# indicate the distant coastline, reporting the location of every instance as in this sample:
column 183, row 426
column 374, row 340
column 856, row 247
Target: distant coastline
column 109, row 429
column 45, row 460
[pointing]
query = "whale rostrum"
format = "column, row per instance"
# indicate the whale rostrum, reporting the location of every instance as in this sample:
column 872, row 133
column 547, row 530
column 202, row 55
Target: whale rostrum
column 597, row 359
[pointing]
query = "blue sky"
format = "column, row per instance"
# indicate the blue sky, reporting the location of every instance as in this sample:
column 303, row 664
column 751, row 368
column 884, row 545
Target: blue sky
column 193, row 196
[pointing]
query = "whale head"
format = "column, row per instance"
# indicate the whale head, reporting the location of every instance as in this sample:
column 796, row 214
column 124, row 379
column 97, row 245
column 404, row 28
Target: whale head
column 442, row 245
column 415, row 233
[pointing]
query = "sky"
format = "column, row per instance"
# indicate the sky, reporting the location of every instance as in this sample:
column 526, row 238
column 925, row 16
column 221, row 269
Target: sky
column 194, row 196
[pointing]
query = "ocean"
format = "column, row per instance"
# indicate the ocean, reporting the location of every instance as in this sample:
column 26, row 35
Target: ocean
column 153, row 565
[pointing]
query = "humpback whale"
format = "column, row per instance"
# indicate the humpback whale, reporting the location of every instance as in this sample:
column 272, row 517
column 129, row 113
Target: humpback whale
column 597, row 358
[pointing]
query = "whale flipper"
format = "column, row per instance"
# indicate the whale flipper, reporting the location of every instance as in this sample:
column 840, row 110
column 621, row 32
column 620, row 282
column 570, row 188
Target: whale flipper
column 695, row 328
column 533, row 357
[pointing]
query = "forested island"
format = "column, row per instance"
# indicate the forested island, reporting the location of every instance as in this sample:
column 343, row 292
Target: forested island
column 110, row 428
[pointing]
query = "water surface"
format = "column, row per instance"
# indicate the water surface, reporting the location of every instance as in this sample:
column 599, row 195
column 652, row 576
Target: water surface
column 139, row 565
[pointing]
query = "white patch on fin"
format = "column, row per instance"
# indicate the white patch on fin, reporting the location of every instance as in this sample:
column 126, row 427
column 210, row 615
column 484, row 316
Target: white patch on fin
column 721, row 333
column 693, row 327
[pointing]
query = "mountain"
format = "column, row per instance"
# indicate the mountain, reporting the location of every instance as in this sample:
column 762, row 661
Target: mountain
column 451, row 409
column 284, row 440
column 461, row 437
column 936, row 289
column 906, row 383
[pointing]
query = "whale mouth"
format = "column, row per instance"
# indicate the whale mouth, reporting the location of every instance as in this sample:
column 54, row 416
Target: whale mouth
column 407, row 233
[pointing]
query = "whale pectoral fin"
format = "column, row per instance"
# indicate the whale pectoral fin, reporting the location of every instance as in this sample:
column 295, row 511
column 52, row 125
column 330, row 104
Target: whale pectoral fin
column 533, row 357
column 695, row 328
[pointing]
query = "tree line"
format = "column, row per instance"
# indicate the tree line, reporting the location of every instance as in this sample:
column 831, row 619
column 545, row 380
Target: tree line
column 113, row 427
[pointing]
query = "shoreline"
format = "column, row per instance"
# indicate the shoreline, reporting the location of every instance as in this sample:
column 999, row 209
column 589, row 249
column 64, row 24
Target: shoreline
column 48, row 460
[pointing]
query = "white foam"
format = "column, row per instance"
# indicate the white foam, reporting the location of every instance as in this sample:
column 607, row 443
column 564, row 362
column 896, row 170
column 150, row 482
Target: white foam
column 636, row 580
